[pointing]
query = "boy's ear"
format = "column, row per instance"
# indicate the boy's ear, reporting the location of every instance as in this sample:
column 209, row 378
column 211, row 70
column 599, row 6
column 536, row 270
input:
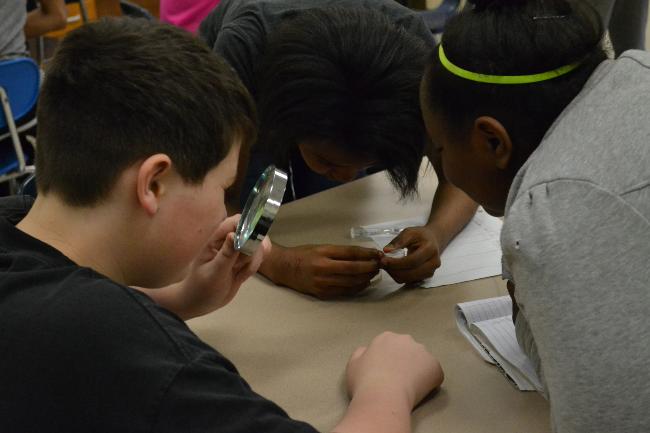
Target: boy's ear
column 152, row 181
column 491, row 137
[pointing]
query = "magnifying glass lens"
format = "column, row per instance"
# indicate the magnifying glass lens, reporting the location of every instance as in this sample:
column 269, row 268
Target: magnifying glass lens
column 261, row 207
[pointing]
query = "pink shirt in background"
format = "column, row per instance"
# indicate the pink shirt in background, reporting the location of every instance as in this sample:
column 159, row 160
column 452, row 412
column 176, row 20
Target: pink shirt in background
column 186, row 14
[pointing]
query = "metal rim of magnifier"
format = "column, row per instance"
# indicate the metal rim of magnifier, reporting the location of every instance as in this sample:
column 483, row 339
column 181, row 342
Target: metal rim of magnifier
column 278, row 183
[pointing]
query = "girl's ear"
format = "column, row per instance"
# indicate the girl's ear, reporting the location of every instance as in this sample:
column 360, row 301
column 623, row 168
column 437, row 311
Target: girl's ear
column 492, row 139
column 152, row 181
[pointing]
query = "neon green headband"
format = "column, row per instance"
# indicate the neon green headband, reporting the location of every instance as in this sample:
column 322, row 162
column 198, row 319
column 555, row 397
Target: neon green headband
column 503, row 79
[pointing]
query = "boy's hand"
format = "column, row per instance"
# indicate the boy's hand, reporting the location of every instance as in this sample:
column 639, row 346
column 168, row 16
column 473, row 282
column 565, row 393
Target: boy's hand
column 214, row 277
column 423, row 255
column 219, row 270
column 326, row 271
column 394, row 363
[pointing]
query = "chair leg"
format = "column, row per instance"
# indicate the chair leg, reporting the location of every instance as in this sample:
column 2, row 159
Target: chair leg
column 12, row 130
column 84, row 10
column 31, row 140
column 41, row 50
column 20, row 129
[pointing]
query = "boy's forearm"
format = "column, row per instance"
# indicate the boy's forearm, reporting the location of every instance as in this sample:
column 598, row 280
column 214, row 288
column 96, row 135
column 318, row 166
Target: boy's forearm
column 377, row 412
column 451, row 210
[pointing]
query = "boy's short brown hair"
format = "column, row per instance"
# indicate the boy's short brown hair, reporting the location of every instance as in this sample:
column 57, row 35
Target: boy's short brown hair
column 120, row 90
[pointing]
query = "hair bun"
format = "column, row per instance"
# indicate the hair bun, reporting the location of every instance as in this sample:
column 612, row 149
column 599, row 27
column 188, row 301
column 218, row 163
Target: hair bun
column 491, row 4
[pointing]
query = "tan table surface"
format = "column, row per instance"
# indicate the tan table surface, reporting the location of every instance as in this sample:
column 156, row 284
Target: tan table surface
column 293, row 349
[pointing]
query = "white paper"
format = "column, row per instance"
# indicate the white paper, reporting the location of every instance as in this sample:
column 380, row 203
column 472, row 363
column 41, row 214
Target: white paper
column 473, row 254
column 498, row 337
column 468, row 313
column 487, row 325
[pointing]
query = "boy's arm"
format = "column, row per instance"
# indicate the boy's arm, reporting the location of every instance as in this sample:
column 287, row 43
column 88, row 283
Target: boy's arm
column 579, row 255
column 376, row 412
column 386, row 381
column 50, row 15
column 213, row 278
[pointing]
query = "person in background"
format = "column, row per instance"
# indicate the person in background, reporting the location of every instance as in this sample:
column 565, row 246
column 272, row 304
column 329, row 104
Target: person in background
column 128, row 238
column 536, row 124
column 336, row 84
column 16, row 23
column 186, row 14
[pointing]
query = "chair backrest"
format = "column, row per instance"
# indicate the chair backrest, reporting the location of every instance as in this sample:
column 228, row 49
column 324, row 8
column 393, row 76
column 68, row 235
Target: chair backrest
column 20, row 79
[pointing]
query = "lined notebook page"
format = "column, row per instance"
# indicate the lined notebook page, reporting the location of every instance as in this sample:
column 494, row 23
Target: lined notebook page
column 468, row 313
column 485, row 309
column 498, row 337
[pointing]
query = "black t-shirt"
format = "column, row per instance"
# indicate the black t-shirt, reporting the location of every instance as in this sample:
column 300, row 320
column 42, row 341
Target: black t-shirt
column 79, row 352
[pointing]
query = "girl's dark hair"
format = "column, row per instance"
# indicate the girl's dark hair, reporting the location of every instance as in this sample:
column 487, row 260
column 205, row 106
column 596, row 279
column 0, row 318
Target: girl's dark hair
column 515, row 37
column 346, row 76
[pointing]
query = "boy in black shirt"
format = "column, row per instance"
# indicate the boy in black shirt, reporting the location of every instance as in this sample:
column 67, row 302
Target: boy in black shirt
column 140, row 128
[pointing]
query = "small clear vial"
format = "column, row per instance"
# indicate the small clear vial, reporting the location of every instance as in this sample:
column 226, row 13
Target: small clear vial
column 366, row 233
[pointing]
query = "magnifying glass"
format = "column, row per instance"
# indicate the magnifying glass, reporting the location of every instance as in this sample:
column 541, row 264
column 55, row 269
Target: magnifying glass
column 261, row 207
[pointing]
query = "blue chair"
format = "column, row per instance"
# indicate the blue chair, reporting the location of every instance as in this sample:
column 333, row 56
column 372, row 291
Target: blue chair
column 19, row 86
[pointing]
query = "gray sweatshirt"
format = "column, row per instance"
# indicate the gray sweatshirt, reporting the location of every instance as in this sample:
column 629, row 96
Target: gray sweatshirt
column 576, row 243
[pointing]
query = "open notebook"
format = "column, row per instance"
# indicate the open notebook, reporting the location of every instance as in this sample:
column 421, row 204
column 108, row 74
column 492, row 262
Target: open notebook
column 487, row 324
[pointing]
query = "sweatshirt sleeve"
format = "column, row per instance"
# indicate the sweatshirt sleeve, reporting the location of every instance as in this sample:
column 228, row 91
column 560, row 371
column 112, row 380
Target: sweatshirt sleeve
column 580, row 260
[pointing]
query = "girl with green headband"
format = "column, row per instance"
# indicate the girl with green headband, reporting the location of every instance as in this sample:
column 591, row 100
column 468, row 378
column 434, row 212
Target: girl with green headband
column 533, row 122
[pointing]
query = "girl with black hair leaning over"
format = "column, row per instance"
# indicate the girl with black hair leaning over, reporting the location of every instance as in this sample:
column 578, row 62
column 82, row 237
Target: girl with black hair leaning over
column 336, row 84
column 535, row 123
